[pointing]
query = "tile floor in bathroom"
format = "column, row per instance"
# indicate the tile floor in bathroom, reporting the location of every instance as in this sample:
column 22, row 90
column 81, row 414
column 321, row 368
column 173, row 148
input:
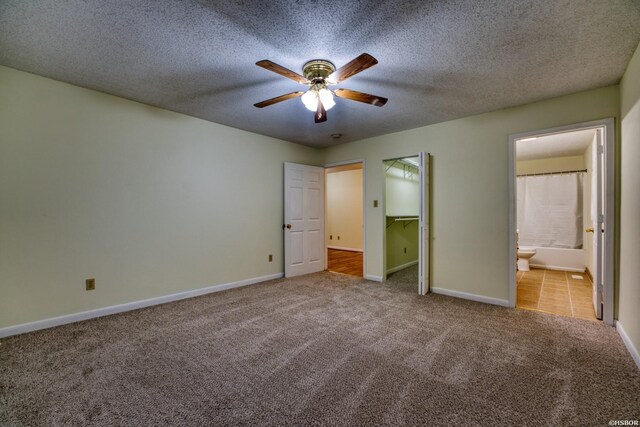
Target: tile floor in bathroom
column 555, row 292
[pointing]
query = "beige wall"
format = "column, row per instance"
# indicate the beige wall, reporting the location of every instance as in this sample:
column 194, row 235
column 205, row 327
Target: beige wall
column 344, row 208
column 142, row 199
column 402, row 191
column 402, row 244
column 629, row 290
column 147, row 201
column 469, row 180
column 552, row 164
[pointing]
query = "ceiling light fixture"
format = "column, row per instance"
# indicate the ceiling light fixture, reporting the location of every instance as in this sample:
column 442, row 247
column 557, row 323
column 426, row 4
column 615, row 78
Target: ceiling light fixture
column 318, row 92
column 318, row 74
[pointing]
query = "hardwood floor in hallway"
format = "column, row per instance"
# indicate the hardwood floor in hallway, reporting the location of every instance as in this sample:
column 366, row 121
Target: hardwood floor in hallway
column 346, row 262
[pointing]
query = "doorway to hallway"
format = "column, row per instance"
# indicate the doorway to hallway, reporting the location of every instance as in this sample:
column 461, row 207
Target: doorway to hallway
column 344, row 218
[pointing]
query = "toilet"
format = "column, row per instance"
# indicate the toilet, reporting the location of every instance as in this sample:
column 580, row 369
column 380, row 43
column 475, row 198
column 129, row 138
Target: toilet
column 524, row 254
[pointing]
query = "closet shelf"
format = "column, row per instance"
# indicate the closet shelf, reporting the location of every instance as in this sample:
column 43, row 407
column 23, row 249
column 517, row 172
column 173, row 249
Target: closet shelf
column 406, row 220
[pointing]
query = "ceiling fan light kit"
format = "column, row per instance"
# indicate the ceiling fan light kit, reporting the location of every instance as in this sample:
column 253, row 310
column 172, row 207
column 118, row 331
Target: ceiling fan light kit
column 318, row 74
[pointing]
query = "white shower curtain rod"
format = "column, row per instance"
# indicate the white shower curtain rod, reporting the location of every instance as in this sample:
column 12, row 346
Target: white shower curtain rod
column 552, row 173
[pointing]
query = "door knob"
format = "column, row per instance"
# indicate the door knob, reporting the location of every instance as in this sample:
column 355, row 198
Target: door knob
column 589, row 230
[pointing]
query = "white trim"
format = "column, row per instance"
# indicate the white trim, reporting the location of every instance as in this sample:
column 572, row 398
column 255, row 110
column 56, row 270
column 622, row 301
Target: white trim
column 402, row 267
column 628, row 343
column 343, row 163
column 513, row 255
column 558, row 268
column 373, row 278
column 341, row 248
column 471, row 297
column 609, row 219
column 609, row 210
column 106, row 311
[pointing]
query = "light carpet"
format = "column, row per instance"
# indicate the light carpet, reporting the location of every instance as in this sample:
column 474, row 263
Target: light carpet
column 323, row 349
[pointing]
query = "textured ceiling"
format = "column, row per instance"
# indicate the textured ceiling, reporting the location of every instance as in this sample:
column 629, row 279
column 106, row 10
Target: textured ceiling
column 438, row 60
column 564, row 144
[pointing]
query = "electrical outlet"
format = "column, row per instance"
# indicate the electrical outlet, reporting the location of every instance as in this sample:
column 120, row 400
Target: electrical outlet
column 270, row 258
column 375, row 203
column 330, row 236
column 338, row 237
column 90, row 284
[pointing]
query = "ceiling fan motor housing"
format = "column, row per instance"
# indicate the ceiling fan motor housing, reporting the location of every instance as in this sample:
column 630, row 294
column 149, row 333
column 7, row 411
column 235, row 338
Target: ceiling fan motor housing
column 318, row 70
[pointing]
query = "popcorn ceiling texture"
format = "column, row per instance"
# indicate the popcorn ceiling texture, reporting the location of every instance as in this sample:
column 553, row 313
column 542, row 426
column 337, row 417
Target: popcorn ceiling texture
column 439, row 60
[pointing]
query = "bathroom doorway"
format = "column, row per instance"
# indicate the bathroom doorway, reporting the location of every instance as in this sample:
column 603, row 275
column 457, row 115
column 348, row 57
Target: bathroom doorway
column 561, row 220
column 406, row 227
column 344, row 231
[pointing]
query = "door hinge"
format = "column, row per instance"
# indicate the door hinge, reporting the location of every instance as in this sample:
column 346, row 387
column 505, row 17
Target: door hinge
column 600, row 149
column 600, row 287
column 600, row 218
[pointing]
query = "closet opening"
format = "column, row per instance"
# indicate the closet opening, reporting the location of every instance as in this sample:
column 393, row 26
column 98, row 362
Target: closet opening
column 406, row 226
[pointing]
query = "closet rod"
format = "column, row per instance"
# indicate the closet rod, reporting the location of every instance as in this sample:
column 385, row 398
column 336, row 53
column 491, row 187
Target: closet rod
column 551, row 173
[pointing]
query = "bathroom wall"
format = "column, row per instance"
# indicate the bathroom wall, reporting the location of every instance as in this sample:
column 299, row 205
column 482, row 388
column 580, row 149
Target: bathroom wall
column 552, row 164
column 558, row 258
column 344, row 207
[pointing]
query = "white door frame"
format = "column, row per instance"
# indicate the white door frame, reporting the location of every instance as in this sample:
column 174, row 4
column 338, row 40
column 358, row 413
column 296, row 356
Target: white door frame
column 424, row 223
column 364, row 206
column 608, row 200
column 424, row 252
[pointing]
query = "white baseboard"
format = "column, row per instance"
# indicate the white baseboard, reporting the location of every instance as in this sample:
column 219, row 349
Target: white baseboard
column 105, row 311
column 342, row 248
column 373, row 278
column 402, row 267
column 472, row 297
column 558, row 268
column 627, row 342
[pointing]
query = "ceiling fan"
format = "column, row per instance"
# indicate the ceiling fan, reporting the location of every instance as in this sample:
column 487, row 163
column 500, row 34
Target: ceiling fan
column 318, row 74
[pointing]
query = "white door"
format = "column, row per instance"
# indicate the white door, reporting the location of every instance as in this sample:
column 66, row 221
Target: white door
column 303, row 219
column 424, row 239
column 598, row 226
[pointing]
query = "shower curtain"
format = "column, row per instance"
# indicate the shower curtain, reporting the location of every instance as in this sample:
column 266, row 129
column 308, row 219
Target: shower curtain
column 550, row 210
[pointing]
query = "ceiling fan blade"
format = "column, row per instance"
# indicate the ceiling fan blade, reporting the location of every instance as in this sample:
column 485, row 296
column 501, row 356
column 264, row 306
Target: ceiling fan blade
column 378, row 101
column 357, row 65
column 278, row 99
column 279, row 69
column 321, row 113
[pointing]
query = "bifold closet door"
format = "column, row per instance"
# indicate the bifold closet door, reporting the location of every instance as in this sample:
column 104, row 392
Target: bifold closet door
column 424, row 239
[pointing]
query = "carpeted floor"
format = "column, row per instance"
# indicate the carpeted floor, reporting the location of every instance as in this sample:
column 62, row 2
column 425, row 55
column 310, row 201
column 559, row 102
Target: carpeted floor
column 405, row 279
column 324, row 349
